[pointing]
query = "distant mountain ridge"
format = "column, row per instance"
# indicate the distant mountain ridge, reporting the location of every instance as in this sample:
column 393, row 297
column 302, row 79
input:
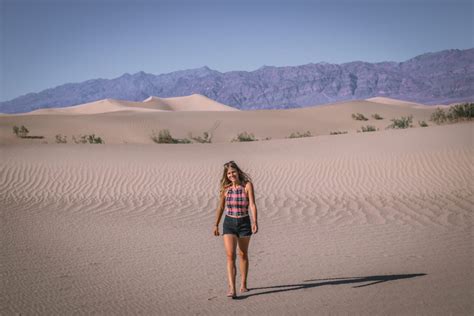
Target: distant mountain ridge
column 433, row 78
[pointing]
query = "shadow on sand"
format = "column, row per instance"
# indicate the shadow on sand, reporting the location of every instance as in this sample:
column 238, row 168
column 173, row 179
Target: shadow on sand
column 371, row 280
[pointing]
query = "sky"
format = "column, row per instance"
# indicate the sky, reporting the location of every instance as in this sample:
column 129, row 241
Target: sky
column 46, row 43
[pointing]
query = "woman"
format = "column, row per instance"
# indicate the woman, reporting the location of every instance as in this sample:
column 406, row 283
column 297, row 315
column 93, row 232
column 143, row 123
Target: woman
column 236, row 195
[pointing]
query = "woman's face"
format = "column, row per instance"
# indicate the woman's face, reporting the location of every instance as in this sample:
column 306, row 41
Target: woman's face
column 232, row 174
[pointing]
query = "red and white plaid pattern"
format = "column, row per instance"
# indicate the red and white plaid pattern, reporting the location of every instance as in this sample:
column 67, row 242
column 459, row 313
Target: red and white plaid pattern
column 237, row 202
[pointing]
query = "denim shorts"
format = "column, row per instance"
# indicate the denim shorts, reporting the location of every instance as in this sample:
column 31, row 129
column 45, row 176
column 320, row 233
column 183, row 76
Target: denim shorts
column 237, row 226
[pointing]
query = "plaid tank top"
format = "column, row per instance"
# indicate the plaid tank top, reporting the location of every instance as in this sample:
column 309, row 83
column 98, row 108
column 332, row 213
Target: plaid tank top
column 237, row 202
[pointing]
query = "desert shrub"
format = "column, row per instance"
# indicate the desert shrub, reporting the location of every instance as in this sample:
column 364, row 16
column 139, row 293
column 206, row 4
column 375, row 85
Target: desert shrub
column 338, row 132
column 207, row 135
column 61, row 139
column 359, row 117
column 463, row 111
column 456, row 113
column 438, row 116
column 92, row 139
column 84, row 139
column 299, row 135
column 81, row 139
column 377, row 117
column 21, row 132
column 204, row 139
column 368, row 128
column 244, row 137
column 403, row 122
column 422, row 123
column 164, row 137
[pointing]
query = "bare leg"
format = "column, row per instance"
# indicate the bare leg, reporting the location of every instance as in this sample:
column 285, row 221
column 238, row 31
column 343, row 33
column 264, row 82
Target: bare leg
column 230, row 243
column 244, row 261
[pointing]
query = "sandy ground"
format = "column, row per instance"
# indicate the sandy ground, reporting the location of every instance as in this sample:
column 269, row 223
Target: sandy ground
column 362, row 223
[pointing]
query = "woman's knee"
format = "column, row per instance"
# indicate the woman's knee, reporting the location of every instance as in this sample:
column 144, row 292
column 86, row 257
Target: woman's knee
column 230, row 256
column 243, row 255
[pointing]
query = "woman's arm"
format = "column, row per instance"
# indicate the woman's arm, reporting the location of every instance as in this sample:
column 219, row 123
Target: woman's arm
column 220, row 207
column 252, row 205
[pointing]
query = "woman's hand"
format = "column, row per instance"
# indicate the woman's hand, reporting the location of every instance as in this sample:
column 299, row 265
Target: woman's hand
column 254, row 228
column 216, row 230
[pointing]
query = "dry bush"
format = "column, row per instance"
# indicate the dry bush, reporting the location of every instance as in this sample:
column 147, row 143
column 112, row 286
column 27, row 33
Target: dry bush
column 403, row 122
column 84, row 139
column 60, row 139
column 164, row 137
column 367, row 128
column 244, row 137
column 300, row 135
column 359, row 117
column 337, row 132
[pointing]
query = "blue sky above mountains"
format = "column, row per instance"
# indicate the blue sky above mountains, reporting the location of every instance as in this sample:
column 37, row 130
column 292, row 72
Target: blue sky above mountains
column 45, row 43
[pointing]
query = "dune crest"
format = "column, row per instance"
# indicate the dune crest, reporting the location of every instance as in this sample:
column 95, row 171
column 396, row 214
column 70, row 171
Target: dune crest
column 390, row 101
column 194, row 102
column 96, row 107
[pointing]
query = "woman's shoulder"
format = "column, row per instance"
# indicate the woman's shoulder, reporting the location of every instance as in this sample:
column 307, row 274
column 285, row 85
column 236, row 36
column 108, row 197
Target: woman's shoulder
column 248, row 185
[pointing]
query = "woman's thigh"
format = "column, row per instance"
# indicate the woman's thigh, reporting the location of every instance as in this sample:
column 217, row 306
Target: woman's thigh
column 230, row 243
column 243, row 243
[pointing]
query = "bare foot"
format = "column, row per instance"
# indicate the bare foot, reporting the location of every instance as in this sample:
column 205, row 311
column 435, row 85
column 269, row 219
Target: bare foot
column 243, row 289
column 231, row 293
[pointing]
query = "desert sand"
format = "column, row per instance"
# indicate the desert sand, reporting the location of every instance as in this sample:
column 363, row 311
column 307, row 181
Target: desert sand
column 361, row 223
column 124, row 122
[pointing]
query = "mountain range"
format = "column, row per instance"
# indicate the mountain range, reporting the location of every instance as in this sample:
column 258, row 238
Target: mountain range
column 433, row 78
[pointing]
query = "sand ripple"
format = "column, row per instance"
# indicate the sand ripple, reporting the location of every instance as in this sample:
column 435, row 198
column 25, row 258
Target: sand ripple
column 416, row 189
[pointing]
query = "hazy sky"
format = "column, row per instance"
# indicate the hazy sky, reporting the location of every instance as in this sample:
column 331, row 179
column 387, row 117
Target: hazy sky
column 46, row 43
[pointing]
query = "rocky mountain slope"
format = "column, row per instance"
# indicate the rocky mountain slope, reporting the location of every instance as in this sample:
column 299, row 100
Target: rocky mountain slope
column 433, row 78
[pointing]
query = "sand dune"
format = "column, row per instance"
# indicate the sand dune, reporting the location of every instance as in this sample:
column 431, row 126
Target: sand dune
column 117, row 127
column 102, row 106
column 195, row 102
column 361, row 223
column 390, row 101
